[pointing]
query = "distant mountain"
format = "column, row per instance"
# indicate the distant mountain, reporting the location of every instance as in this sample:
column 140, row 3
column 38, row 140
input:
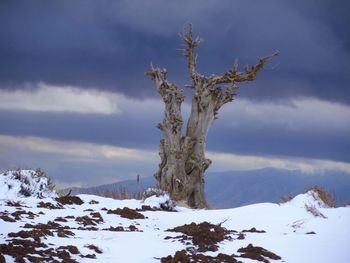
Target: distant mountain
column 238, row 188
column 131, row 186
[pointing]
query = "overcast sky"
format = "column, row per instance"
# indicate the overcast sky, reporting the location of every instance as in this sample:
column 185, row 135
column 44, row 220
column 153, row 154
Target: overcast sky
column 74, row 99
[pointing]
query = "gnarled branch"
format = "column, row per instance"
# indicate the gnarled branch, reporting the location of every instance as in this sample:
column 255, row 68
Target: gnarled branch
column 249, row 73
column 172, row 97
column 189, row 51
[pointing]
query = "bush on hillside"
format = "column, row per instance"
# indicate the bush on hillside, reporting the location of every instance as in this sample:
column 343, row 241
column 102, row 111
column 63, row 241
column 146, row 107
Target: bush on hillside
column 325, row 196
column 161, row 197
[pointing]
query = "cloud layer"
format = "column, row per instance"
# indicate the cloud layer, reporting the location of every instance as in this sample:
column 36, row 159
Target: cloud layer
column 47, row 98
column 109, row 45
column 305, row 127
column 91, row 164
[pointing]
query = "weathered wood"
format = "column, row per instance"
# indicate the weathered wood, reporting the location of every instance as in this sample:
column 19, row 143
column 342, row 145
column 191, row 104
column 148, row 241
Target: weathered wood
column 183, row 161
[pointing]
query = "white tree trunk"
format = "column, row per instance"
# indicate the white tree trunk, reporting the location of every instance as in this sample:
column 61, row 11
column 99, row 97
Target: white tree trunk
column 183, row 162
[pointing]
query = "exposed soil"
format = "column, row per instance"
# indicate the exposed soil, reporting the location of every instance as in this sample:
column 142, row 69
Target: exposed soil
column 310, row 233
column 36, row 234
column 27, row 245
column 49, row 205
column 13, row 203
column 253, row 230
column 94, row 248
column 127, row 213
column 257, row 253
column 33, row 251
column 72, row 249
column 183, row 257
column 97, row 217
column 93, row 256
column 204, row 235
column 15, row 216
column 241, row 236
column 147, row 208
column 44, row 229
column 70, row 200
column 131, row 228
column 115, row 229
column 93, row 202
column 5, row 217
column 60, row 219
column 90, row 221
column 88, row 228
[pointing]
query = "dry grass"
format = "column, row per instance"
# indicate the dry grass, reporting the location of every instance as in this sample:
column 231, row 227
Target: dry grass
column 120, row 193
column 326, row 197
column 313, row 210
column 286, row 198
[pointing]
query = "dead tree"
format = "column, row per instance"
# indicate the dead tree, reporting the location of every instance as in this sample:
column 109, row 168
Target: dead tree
column 183, row 162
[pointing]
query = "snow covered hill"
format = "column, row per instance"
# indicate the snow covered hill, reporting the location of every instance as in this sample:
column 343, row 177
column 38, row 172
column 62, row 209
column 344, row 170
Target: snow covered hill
column 37, row 226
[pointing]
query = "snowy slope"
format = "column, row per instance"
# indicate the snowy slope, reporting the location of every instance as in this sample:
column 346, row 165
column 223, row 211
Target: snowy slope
column 302, row 230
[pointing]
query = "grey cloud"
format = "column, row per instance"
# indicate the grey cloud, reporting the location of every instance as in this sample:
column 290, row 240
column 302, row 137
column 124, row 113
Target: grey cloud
column 289, row 133
column 69, row 171
column 110, row 44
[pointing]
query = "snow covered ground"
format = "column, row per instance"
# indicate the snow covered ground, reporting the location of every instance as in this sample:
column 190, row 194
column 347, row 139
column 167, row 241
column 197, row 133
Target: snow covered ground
column 301, row 230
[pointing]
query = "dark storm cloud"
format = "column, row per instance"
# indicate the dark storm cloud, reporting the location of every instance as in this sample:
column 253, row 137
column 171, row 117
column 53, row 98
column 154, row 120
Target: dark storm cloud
column 109, row 44
column 124, row 131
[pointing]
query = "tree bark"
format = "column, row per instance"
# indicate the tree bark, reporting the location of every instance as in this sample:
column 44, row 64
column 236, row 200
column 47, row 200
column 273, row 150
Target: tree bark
column 183, row 161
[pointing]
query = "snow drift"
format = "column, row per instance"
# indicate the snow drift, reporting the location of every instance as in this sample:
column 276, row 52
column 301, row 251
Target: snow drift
column 42, row 227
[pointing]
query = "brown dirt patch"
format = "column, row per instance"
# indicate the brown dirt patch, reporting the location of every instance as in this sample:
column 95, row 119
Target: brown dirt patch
column 13, row 203
column 148, row 208
column 49, row 205
column 36, row 234
column 70, row 200
column 204, row 235
column 62, row 231
column 33, row 251
column 17, row 215
column 60, row 219
column 91, row 228
column 183, row 257
column 115, row 229
column 72, row 249
column 97, row 217
column 93, row 256
column 253, row 230
column 127, row 213
column 131, row 228
column 94, row 248
column 5, row 217
column 310, row 233
column 257, row 253
column 241, row 236
column 89, row 221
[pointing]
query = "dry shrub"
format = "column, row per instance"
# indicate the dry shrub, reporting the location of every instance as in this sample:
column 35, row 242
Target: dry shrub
column 120, row 193
column 286, row 198
column 326, row 197
column 314, row 211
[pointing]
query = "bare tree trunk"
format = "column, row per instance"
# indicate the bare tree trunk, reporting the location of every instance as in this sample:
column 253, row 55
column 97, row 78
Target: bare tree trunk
column 183, row 162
